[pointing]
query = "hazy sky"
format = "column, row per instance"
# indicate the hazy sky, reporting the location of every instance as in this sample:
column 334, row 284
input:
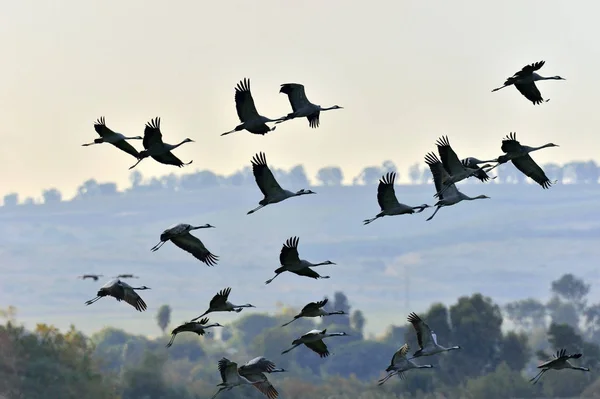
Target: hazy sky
column 405, row 71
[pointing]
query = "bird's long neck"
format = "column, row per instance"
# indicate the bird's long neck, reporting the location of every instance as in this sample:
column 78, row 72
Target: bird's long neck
column 212, row 325
column 277, row 371
column 139, row 288
column 530, row 149
column 327, row 109
column 336, row 312
column 320, row 264
column 451, row 348
column 177, row 145
column 133, row 138
column 425, row 366
column 580, row 368
column 333, row 335
column 242, row 306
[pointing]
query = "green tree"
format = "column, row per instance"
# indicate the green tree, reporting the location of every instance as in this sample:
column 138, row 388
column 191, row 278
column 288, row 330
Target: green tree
column 527, row 313
column 163, row 317
column 571, row 289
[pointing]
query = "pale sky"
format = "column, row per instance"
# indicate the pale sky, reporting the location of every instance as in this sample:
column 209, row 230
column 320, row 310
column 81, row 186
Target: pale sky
column 405, row 71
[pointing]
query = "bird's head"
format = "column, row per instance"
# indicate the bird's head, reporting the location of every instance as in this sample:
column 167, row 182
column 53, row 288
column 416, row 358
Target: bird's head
column 328, row 262
column 559, row 78
column 248, row 305
column 188, row 140
column 552, row 145
column 296, row 342
column 482, row 197
column 205, row 226
column 304, row 191
column 425, row 206
column 337, row 107
column 218, row 325
column 143, row 287
column 137, row 138
column 344, row 334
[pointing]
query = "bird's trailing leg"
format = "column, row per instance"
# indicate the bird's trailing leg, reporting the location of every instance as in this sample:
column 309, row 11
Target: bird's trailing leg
column 171, row 340
column 85, row 145
column 538, row 376
column 136, row 164
column 255, row 209
column 287, row 350
column 271, row 279
column 294, row 319
column 221, row 390
column 367, row 221
column 157, row 246
column 92, row 300
column 203, row 314
column 387, row 377
column 498, row 88
column 436, row 211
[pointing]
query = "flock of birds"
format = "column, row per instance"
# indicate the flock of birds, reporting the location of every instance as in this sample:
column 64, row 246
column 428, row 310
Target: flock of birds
column 447, row 170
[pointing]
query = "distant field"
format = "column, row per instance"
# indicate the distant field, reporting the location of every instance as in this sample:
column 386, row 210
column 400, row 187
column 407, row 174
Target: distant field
column 509, row 247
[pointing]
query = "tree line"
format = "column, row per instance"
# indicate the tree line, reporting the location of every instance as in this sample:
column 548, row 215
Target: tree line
column 494, row 361
column 576, row 172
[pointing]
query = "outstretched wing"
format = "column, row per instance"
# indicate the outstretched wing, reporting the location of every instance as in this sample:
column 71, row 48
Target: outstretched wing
column 244, row 103
column 318, row 347
column 530, row 91
column 386, row 194
column 306, row 272
column 220, row 299
column 262, row 384
column 132, row 298
column 193, row 245
column 439, row 176
column 449, row 158
column 480, row 174
column 263, row 176
column 296, row 95
column 422, row 329
column 400, row 354
column 101, row 128
column 510, row 143
column 529, row 168
column 228, row 369
column 289, row 252
column 527, row 70
column 152, row 133
column 259, row 363
column 314, row 305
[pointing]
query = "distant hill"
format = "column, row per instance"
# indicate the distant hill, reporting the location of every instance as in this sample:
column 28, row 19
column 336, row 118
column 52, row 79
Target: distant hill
column 511, row 246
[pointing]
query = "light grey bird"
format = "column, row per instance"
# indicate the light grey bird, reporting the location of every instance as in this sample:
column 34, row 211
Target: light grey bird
column 94, row 277
column 290, row 261
column 456, row 170
column 268, row 185
column 386, row 197
column 121, row 291
column 400, row 364
column 220, row 303
column 180, row 236
column 426, row 338
column 559, row 362
column 231, row 378
column 451, row 195
column 251, row 120
column 156, row 148
column 255, row 370
column 301, row 107
column 314, row 309
column 114, row 138
column 314, row 341
column 525, row 79
column 197, row 327
column 519, row 155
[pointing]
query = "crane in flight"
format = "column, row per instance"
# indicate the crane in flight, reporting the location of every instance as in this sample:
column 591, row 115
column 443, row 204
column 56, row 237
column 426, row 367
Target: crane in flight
column 114, row 138
column 559, row 362
column 251, row 120
column 525, row 79
column 181, row 237
column 301, row 107
column 121, row 291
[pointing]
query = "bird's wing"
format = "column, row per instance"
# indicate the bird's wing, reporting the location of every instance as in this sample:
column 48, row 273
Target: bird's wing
column 480, row 174
column 439, row 176
column 296, row 95
column 314, row 305
column 220, row 299
column 319, row 347
column 530, row 91
column 123, row 145
column 193, row 245
column 132, row 298
column 263, row 384
column 400, row 353
column 313, row 119
column 510, row 143
column 258, row 363
column 529, row 69
column 306, row 272
column 422, row 329
column 386, row 194
column 228, row 369
column 449, row 158
column 529, row 168
column 168, row 158
column 244, row 103
column 289, row 252
column 263, row 176
column 202, row 321
column 152, row 134
column 101, row 128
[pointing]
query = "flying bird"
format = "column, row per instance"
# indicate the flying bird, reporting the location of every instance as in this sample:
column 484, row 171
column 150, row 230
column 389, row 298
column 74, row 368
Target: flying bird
column 255, row 370
column 314, row 309
column 268, row 185
column 122, row 291
column 157, row 149
column 251, row 120
column 400, row 364
column 473, row 163
column 525, row 79
column 220, row 303
column 426, row 338
column 125, row 276
column 386, row 196
column 314, row 341
column 181, row 237
column 519, row 155
column 301, row 107
column 559, row 362
column 197, row 327
column 231, row 378
column 114, row 138
column 290, row 261
column 449, row 194
column 456, row 170
column 94, row 277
